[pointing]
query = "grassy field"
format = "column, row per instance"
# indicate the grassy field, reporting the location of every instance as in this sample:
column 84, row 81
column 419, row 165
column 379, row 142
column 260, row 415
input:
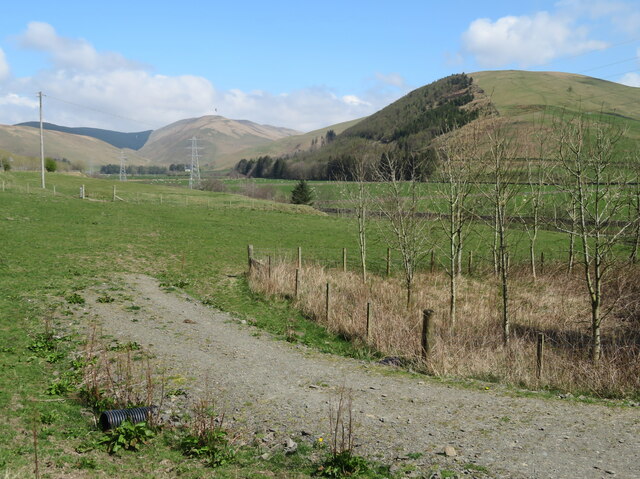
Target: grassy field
column 55, row 245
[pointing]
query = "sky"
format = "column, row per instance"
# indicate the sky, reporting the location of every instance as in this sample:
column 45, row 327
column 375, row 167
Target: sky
column 140, row 65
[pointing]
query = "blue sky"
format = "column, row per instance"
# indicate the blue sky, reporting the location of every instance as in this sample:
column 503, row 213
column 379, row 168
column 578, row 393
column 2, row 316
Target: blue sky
column 137, row 65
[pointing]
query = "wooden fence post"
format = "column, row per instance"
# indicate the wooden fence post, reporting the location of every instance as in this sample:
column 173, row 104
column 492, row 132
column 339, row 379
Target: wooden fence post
column 541, row 262
column 388, row 262
column 369, row 323
column 344, row 260
column 433, row 261
column 297, row 287
column 540, row 355
column 328, row 303
column 250, row 255
column 427, row 326
column 269, row 266
column 299, row 257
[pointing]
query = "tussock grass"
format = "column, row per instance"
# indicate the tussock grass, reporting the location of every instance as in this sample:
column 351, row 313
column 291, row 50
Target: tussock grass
column 555, row 304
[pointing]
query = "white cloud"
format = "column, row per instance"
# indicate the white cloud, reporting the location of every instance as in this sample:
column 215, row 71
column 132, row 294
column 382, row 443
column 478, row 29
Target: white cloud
column 85, row 87
column 305, row 109
column 4, row 66
column 526, row 40
column 630, row 79
column 353, row 100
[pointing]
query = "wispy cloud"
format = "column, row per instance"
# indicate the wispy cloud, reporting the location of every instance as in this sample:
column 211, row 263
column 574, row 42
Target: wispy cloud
column 71, row 53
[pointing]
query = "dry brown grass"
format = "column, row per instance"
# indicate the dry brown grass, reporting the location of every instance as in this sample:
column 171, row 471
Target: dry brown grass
column 555, row 304
column 118, row 375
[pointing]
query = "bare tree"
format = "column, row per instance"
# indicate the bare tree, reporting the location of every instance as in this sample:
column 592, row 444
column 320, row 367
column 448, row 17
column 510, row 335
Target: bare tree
column 587, row 151
column 400, row 206
column 457, row 172
column 359, row 197
column 537, row 175
column 499, row 156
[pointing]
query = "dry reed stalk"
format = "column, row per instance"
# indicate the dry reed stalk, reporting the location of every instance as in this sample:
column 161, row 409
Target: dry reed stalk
column 555, row 306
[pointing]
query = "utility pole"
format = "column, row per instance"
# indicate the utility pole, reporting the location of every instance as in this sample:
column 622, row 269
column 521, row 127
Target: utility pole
column 194, row 178
column 123, row 168
column 40, row 95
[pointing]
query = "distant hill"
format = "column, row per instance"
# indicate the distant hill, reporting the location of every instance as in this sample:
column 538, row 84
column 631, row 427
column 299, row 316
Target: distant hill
column 23, row 143
column 218, row 137
column 413, row 125
column 289, row 145
column 133, row 141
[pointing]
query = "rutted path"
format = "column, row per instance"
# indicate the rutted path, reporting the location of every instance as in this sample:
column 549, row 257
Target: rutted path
column 268, row 384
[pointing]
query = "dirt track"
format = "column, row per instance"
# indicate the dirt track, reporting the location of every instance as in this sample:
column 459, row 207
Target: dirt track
column 274, row 385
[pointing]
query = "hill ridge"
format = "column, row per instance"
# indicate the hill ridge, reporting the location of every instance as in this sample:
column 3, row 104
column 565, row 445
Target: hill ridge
column 119, row 139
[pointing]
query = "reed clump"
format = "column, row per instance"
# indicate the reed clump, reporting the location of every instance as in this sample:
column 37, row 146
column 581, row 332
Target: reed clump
column 554, row 304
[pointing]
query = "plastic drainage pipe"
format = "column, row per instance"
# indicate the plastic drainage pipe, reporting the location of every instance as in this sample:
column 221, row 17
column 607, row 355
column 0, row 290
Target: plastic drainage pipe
column 113, row 418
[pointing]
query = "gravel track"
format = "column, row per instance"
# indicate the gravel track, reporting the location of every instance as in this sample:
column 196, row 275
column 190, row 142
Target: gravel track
column 284, row 390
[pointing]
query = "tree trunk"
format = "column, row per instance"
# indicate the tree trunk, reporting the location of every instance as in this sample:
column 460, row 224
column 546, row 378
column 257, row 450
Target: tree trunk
column 504, row 276
column 596, row 345
column 362, row 237
column 496, row 266
column 532, row 257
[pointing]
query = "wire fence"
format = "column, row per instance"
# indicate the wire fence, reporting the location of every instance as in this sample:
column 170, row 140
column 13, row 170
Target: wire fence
column 183, row 198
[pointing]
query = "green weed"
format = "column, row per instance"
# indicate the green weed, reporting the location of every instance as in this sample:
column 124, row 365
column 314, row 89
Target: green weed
column 344, row 464
column 60, row 387
column 127, row 436
column 105, row 298
column 74, row 298
column 212, row 446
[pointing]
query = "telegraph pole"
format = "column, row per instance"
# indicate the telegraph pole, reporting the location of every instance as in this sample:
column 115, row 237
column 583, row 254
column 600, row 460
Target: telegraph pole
column 41, row 142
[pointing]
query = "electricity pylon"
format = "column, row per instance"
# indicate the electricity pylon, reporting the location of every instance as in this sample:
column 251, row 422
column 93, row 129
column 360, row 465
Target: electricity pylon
column 123, row 168
column 194, row 179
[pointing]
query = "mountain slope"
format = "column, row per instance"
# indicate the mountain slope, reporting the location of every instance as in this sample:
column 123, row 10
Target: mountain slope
column 218, row 137
column 511, row 90
column 133, row 141
column 519, row 95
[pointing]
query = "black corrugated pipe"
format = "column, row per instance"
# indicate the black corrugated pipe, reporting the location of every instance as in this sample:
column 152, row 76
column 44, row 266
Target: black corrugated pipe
column 113, row 418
